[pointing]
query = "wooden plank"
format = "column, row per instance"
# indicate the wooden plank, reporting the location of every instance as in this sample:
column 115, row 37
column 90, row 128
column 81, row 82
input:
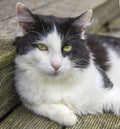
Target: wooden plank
column 21, row 118
column 55, row 7
column 103, row 14
column 8, row 97
column 7, row 16
column 44, row 4
column 105, row 121
column 112, row 28
column 67, row 8
column 10, row 5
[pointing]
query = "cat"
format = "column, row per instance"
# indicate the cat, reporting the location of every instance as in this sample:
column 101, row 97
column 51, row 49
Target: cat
column 62, row 73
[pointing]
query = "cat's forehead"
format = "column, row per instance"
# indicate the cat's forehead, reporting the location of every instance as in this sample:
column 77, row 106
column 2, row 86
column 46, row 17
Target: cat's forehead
column 48, row 24
column 52, row 39
column 55, row 29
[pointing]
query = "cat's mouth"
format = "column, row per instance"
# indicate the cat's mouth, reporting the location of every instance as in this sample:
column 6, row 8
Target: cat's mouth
column 55, row 74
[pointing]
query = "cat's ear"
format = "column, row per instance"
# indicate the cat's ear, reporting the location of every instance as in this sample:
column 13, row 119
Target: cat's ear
column 83, row 21
column 25, row 18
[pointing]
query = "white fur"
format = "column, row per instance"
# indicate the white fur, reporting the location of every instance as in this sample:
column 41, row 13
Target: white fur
column 72, row 92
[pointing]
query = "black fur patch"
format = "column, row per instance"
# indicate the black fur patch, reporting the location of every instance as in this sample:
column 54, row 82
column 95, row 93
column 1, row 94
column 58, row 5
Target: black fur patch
column 110, row 41
column 99, row 51
column 25, row 44
column 79, row 54
column 107, row 82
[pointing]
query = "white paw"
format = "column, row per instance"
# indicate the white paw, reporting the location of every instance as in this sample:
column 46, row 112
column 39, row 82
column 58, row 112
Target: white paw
column 69, row 120
column 66, row 118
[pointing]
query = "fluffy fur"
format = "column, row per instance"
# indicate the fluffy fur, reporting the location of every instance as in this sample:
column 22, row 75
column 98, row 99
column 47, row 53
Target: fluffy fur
column 87, row 78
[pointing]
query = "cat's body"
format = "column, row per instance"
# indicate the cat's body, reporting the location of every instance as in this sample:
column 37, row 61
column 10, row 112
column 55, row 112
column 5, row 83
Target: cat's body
column 61, row 82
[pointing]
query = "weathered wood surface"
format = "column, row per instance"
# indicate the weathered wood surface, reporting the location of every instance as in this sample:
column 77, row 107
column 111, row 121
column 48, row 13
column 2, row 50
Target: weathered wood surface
column 112, row 28
column 21, row 118
column 104, row 13
column 54, row 7
column 7, row 8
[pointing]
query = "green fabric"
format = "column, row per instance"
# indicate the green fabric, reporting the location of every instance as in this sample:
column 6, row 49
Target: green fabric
column 21, row 118
column 7, row 52
column 8, row 97
column 103, row 121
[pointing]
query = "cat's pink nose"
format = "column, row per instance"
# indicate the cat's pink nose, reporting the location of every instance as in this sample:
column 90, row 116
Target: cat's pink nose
column 55, row 66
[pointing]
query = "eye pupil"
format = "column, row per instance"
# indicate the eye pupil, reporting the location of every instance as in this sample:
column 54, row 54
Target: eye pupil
column 42, row 47
column 67, row 48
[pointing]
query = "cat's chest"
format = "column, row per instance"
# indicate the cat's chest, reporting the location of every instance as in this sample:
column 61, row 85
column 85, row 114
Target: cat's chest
column 59, row 92
column 62, row 92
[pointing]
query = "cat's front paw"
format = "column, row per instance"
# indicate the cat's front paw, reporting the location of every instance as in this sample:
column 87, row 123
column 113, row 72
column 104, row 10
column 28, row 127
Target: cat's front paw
column 67, row 119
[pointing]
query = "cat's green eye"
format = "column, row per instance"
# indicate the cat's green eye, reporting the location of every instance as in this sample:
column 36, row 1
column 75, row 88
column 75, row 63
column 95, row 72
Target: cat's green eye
column 42, row 47
column 67, row 48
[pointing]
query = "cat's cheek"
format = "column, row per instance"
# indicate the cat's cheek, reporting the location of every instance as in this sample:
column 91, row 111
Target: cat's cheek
column 45, row 69
column 66, row 66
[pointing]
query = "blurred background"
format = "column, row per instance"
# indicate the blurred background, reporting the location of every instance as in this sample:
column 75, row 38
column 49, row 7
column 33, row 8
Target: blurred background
column 106, row 16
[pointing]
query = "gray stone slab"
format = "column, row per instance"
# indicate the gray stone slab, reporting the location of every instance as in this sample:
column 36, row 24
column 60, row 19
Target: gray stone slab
column 104, row 14
column 7, row 7
column 55, row 7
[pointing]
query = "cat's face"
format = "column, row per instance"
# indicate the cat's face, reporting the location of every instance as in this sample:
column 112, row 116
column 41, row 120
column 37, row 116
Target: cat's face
column 51, row 45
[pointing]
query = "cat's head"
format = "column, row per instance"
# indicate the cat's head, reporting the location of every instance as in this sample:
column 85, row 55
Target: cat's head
column 51, row 45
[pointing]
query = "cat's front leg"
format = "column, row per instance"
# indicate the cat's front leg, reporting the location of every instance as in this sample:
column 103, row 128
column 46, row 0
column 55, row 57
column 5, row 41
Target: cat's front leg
column 56, row 112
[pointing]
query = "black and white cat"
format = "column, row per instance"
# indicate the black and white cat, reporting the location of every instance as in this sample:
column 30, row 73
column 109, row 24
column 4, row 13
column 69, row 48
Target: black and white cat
column 61, row 74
